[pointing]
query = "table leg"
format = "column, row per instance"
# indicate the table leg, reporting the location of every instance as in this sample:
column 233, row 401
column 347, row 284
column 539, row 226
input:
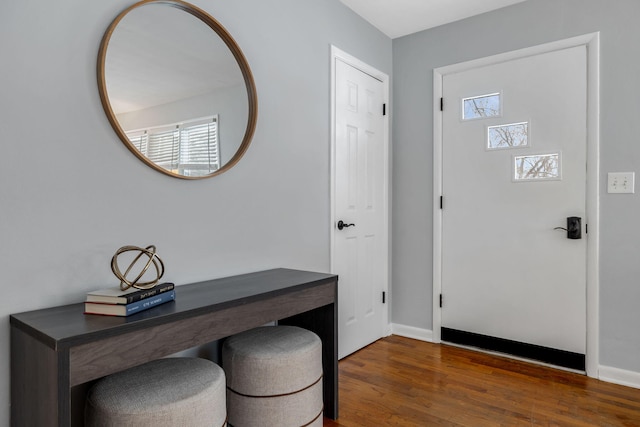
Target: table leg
column 323, row 321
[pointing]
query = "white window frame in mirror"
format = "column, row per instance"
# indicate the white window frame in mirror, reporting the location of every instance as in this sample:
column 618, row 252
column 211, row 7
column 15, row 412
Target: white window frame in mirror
column 202, row 158
column 233, row 47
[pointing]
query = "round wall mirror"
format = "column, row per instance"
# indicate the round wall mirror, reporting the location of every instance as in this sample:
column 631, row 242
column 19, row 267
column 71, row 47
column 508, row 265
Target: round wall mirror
column 177, row 89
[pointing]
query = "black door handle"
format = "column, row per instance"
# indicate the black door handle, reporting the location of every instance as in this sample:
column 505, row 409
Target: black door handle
column 574, row 227
column 342, row 225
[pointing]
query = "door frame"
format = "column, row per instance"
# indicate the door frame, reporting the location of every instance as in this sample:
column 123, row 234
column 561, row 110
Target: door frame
column 592, row 43
column 339, row 55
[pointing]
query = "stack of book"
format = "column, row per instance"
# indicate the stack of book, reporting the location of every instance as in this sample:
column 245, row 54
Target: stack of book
column 116, row 302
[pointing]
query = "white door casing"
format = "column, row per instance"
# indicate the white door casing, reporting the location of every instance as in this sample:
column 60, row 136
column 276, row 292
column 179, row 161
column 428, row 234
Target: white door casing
column 478, row 252
column 360, row 253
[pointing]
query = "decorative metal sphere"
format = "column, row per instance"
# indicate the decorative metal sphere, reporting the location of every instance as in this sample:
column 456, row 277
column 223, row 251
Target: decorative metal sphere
column 154, row 259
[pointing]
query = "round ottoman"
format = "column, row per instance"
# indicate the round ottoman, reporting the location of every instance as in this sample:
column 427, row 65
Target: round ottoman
column 165, row 392
column 274, row 377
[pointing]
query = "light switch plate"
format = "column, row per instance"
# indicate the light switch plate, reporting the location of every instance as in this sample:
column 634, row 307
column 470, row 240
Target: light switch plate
column 621, row 182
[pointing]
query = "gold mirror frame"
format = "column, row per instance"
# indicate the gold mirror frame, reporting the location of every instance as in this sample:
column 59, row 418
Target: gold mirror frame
column 235, row 50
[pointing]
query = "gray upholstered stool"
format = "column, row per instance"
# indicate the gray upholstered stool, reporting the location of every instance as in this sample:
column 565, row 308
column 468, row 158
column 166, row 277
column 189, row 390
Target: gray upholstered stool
column 165, row 392
column 274, row 377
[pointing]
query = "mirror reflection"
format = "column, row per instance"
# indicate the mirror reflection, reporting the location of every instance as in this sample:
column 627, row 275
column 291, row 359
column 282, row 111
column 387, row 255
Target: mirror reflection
column 177, row 89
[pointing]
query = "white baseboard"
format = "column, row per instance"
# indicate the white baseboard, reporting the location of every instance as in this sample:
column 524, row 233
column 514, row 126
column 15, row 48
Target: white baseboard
column 412, row 332
column 619, row 376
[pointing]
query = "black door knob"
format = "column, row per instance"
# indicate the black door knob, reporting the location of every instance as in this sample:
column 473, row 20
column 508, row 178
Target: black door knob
column 342, row 225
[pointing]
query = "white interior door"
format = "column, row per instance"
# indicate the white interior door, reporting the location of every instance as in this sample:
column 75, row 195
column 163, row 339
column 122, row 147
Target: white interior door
column 514, row 169
column 360, row 254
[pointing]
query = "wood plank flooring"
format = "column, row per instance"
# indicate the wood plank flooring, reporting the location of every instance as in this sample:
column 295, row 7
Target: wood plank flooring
column 403, row 382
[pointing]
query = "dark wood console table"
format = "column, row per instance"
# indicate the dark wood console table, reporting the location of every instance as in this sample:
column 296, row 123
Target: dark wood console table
column 57, row 353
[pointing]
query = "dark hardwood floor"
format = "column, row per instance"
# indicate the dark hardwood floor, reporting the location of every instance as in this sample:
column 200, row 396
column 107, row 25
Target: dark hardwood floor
column 403, row 382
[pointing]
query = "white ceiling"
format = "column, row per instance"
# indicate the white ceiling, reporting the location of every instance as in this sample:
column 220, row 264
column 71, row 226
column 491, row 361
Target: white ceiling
column 397, row 18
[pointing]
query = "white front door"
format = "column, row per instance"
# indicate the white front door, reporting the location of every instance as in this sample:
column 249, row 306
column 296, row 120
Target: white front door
column 360, row 253
column 514, row 168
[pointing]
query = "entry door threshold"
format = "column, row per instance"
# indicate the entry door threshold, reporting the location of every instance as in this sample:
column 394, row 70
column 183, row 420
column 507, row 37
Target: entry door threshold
column 547, row 355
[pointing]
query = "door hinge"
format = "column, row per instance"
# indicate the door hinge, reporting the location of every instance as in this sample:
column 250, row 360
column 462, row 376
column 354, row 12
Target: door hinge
column 440, row 300
column 586, row 229
column 384, row 109
column 441, row 202
column 441, row 104
column 384, row 297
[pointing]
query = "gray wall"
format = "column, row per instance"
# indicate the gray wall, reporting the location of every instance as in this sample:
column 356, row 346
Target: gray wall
column 71, row 193
column 526, row 24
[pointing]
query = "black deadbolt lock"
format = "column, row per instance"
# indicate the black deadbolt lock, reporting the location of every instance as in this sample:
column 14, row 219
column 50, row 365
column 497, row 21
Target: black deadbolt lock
column 574, row 227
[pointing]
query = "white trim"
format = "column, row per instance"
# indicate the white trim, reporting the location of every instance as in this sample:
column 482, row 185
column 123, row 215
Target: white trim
column 437, row 211
column 388, row 330
column 619, row 376
column 337, row 54
column 592, row 43
column 412, row 332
